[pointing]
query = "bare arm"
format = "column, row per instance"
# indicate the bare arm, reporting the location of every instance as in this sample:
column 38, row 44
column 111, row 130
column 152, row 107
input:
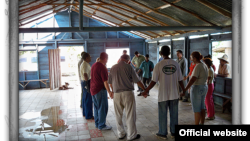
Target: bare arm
column 111, row 87
column 139, row 71
column 151, row 85
column 107, row 87
column 191, row 82
column 182, row 86
column 141, row 85
column 86, row 78
column 208, row 79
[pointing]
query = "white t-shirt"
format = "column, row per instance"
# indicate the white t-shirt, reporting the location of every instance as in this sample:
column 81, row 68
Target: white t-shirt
column 201, row 72
column 168, row 73
column 85, row 68
column 211, row 74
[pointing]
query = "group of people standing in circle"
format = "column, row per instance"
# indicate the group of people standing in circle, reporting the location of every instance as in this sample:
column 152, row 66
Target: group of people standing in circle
column 171, row 76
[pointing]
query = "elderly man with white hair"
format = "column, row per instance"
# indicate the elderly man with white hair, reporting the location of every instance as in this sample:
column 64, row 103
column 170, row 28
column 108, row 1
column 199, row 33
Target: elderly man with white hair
column 121, row 79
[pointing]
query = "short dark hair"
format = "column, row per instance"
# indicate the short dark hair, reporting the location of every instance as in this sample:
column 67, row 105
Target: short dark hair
column 103, row 56
column 208, row 56
column 125, row 56
column 124, row 51
column 197, row 55
column 179, row 51
column 165, row 50
column 208, row 61
column 160, row 52
column 85, row 56
column 147, row 55
column 82, row 54
column 136, row 52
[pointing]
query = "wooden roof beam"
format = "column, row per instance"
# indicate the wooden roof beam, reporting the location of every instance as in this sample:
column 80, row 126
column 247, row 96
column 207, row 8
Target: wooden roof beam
column 152, row 10
column 215, row 8
column 110, row 22
column 125, row 16
column 166, row 5
column 192, row 13
column 43, row 16
column 38, row 13
column 29, row 4
column 144, row 16
column 21, row 12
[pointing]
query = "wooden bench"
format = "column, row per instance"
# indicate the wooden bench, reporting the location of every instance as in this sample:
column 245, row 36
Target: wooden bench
column 26, row 82
column 223, row 89
column 227, row 99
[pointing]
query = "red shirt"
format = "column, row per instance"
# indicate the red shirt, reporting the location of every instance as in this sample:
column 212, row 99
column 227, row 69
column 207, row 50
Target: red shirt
column 191, row 68
column 99, row 74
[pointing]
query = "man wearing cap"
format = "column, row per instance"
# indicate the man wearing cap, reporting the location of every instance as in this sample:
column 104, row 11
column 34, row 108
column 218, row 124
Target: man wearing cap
column 121, row 78
column 146, row 67
column 223, row 67
column 124, row 52
column 182, row 61
column 136, row 62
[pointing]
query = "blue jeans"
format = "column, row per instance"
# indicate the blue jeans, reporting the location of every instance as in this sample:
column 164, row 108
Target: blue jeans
column 198, row 94
column 87, row 104
column 100, row 101
column 83, row 105
column 163, row 107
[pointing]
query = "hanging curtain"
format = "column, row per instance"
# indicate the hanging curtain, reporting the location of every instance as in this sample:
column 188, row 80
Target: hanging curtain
column 54, row 68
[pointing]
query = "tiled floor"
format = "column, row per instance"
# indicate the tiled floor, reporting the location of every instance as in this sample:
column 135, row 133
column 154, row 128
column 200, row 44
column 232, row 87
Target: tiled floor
column 56, row 115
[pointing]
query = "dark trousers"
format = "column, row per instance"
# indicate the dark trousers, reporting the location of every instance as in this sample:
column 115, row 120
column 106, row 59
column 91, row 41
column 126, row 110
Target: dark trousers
column 140, row 76
column 87, row 104
column 146, row 81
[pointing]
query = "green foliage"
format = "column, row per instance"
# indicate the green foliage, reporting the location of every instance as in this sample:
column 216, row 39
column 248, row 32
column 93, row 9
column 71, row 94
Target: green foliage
column 26, row 52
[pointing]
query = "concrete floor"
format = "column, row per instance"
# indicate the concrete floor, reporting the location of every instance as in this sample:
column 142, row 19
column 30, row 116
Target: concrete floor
column 56, row 115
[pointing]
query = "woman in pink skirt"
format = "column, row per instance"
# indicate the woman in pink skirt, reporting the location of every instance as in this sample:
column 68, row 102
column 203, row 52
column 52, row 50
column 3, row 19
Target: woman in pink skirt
column 209, row 97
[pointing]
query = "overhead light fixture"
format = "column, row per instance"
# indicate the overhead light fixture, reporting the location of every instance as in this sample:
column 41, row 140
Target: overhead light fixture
column 165, row 6
column 181, row 38
column 165, row 40
column 153, row 42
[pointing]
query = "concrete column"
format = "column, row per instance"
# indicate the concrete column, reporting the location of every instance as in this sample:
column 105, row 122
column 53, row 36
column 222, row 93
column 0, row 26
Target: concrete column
column 237, row 62
column 13, row 70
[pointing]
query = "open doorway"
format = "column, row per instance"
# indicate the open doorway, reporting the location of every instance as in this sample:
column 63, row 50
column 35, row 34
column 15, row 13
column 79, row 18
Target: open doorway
column 70, row 56
column 219, row 48
column 114, row 55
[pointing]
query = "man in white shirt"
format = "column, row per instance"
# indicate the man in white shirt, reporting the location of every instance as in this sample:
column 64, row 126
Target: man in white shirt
column 87, row 104
column 79, row 74
column 169, row 75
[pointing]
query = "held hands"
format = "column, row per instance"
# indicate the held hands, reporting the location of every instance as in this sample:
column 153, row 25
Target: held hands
column 185, row 77
column 144, row 93
column 111, row 95
column 183, row 93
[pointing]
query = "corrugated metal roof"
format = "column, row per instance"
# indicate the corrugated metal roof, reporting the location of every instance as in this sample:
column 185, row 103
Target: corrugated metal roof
column 137, row 12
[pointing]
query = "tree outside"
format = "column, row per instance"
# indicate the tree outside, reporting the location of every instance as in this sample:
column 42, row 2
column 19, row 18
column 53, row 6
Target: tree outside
column 70, row 56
